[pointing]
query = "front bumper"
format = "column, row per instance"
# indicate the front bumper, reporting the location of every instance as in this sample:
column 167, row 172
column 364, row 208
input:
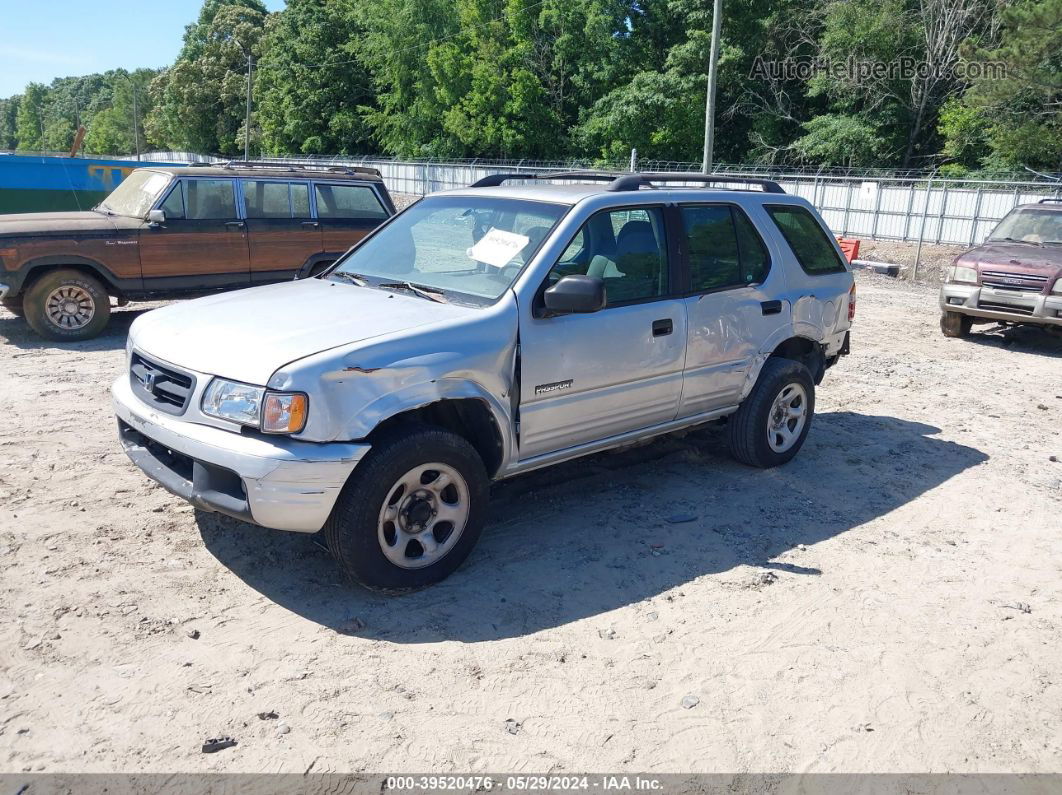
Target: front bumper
column 1006, row 305
column 274, row 482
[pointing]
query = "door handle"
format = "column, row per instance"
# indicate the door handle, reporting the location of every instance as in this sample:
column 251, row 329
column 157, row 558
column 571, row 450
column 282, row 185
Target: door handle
column 771, row 307
column 661, row 328
column 234, row 224
column 313, row 224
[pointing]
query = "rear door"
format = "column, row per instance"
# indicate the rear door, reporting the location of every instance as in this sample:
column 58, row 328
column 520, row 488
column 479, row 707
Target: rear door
column 347, row 212
column 731, row 308
column 281, row 230
column 202, row 244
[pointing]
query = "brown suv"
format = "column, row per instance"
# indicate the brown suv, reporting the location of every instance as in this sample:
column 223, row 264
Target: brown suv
column 178, row 232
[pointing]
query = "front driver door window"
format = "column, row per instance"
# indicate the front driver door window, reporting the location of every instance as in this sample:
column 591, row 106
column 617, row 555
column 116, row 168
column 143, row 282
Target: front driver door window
column 590, row 377
column 201, row 244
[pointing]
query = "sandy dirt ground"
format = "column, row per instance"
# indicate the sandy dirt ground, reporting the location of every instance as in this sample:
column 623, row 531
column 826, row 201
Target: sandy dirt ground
column 889, row 601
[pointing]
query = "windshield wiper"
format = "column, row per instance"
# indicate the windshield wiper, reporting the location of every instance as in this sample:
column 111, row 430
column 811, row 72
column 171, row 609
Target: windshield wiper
column 353, row 278
column 439, row 298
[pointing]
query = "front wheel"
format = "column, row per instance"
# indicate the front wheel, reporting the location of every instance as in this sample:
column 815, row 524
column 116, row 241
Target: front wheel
column 411, row 511
column 954, row 324
column 67, row 305
column 771, row 425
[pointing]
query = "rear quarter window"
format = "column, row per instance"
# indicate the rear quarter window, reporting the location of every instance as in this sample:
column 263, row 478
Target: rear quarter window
column 813, row 248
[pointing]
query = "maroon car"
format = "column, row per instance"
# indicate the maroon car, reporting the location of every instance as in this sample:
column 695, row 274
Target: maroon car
column 1015, row 276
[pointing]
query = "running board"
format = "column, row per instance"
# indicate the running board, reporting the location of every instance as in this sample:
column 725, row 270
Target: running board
column 588, row 448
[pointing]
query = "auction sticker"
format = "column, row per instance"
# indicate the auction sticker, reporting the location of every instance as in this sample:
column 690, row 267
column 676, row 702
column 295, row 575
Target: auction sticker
column 498, row 247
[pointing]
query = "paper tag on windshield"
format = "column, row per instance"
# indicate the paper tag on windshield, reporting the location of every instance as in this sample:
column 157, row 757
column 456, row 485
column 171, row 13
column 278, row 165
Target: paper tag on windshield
column 497, row 247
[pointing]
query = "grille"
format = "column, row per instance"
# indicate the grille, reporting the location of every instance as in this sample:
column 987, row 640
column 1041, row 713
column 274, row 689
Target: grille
column 163, row 387
column 996, row 307
column 1021, row 282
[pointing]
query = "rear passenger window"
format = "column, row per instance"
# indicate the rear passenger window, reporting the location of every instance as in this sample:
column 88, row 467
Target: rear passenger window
column 724, row 248
column 348, row 201
column 209, row 199
column 300, row 200
column 266, row 199
column 814, row 250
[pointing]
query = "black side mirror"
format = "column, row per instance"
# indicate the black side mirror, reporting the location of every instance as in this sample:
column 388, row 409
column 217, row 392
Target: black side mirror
column 575, row 293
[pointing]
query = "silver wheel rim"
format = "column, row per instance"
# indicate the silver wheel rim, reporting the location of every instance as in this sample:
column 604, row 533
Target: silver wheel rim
column 787, row 417
column 70, row 307
column 423, row 516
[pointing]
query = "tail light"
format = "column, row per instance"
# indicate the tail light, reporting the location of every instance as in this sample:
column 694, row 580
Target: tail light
column 851, row 303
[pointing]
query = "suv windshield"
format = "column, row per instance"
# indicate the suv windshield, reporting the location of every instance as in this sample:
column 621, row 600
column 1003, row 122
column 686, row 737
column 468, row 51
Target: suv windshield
column 471, row 245
column 1030, row 226
column 135, row 195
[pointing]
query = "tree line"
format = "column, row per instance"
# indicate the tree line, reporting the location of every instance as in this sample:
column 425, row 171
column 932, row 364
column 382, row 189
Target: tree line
column 966, row 86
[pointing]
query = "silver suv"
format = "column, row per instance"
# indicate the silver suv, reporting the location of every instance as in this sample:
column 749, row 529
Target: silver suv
column 482, row 333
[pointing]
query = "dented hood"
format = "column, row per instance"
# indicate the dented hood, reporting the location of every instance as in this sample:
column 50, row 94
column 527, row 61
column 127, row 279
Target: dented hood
column 248, row 334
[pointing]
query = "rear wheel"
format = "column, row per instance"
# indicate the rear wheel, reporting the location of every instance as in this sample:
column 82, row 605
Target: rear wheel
column 67, row 305
column 771, row 425
column 954, row 324
column 411, row 512
column 14, row 306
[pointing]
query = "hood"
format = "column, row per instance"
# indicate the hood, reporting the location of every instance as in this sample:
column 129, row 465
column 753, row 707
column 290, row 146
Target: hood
column 1015, row 258
column 47, row 223
column 248, row 334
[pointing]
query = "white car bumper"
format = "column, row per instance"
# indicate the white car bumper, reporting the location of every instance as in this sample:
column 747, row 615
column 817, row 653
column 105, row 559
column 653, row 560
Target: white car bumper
column 1007, row 305
column 274, row 482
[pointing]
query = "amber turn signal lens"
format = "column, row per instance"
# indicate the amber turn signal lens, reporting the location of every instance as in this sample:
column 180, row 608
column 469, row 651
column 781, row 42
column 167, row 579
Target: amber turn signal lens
column 284, row 412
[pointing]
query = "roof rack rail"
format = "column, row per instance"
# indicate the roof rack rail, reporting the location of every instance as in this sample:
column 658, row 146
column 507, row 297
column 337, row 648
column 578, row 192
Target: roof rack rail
column 279, row 165
column 1050, row 199
column 632, row 181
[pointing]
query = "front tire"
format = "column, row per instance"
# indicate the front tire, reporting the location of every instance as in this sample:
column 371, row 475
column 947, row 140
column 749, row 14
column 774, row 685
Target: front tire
column 411, row 511
column 773, row 422
column 954, row 324
column 67, row 305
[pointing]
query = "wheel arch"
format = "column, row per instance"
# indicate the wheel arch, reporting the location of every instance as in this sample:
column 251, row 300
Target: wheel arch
column 804, row 350
column 38, row 267
column 469, row 417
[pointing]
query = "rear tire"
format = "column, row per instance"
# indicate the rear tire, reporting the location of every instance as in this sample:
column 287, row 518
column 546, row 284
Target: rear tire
column 774, row 420
column 395, row 526
column 14, row 306
column 954, row 324
column 67, row 305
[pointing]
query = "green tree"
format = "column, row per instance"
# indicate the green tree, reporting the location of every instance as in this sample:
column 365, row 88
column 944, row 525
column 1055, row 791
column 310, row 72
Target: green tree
column 9, row 122
column 1014, row 118
column 29, row 123
column 199, row 101
column 311, row 84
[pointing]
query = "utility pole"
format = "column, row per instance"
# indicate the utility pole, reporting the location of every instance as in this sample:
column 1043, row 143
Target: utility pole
column 709, row 106
column 247, row 119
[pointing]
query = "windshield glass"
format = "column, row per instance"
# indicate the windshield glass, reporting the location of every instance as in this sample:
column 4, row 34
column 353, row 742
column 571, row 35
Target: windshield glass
column 464, row 244
column 135, row 195
column 1030, row 226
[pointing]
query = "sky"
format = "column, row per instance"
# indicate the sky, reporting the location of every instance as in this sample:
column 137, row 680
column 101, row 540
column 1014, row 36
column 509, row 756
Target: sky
column 60, row 38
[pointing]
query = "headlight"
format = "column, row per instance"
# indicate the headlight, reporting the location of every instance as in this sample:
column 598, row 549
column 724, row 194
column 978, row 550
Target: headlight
column 230, row 400
column 273, row 412
column 285, row 412
column 960, row 273
column 128, row 348
column 1057, row 289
